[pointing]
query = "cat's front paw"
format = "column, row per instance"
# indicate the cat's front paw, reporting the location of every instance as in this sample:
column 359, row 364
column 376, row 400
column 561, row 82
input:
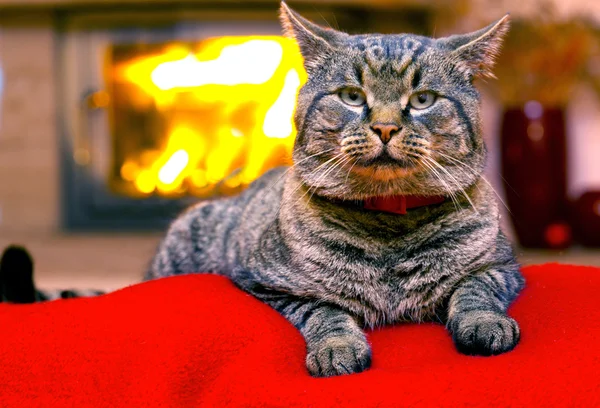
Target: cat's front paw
column 337, row 356
column 484, row 333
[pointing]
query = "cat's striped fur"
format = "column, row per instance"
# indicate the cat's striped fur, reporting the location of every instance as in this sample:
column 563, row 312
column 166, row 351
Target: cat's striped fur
column 299, row 239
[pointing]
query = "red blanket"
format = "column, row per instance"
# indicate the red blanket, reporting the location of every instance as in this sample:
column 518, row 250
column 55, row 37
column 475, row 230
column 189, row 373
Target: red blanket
column 197, row 341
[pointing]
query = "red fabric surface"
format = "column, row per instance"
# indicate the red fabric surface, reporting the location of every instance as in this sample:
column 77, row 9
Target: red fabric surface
column 199, row 341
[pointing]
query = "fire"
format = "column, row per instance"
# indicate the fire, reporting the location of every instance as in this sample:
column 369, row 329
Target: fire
column 278, row 120
column 252, row 62
column 223, row 108
column 173, row 167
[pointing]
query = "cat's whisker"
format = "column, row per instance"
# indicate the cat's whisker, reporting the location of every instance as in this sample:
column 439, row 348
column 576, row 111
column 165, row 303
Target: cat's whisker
column 451, row 178
column 313, row 173
column 320, row 166
column 445, row 185
column 454, row 159
column 296, row 163
column 496, row 194
column 453, row 194
column 463, row 171
column 455, row 181
column 441, row 179
column 349, row 171
column 337, row 163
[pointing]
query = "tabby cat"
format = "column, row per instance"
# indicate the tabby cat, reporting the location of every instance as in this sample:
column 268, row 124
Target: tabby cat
column 384, row 216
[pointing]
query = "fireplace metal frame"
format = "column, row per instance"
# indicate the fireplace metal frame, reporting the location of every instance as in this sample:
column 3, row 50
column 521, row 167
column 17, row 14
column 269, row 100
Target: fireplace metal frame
column 87, row 202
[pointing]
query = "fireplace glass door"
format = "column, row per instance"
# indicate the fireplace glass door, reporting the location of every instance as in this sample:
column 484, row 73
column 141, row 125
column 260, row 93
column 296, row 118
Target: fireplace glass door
column 159, row 117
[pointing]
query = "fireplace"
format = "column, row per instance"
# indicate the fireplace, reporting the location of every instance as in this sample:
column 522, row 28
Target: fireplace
column 161, row 109
column 171, row 112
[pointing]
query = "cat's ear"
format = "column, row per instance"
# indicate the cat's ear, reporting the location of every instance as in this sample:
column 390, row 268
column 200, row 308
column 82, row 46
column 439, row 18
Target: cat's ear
column 316, row 43
column 477, row 51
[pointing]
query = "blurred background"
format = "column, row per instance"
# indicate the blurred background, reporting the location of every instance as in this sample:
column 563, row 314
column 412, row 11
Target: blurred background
column 115, row 115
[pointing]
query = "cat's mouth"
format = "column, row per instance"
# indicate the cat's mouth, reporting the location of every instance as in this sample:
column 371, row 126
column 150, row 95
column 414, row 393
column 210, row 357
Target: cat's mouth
column 385, row 167
column 384, row 160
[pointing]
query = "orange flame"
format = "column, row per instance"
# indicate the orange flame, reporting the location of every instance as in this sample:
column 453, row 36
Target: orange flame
column 228, row 105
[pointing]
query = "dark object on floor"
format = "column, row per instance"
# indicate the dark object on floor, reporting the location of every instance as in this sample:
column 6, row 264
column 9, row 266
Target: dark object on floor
column 198, row 341
column 16, row 276
column 17, row 283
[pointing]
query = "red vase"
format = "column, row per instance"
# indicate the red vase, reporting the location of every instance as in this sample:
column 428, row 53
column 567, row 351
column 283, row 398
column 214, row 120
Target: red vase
column 533, row 149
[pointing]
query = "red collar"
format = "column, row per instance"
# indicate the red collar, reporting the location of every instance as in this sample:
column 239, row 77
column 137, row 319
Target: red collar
column 400, row 203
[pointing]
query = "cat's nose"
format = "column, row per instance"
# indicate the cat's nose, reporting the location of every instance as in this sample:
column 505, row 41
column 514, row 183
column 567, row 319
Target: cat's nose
column 385, row 131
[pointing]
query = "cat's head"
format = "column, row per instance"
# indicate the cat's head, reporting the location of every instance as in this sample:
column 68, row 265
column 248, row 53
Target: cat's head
column 389, row 114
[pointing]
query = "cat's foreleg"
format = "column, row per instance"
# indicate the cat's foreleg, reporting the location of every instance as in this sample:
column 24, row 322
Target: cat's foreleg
column 178, row 250
column 335, row 343
column 477, row 315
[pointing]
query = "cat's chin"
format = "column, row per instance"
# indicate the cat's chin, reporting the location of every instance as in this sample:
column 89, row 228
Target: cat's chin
column 384, row 172
column 384, row 167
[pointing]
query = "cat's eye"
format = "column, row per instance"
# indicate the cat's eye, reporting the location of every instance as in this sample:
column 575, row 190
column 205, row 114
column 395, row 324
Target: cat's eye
column 422, row 100
column 352, row 97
